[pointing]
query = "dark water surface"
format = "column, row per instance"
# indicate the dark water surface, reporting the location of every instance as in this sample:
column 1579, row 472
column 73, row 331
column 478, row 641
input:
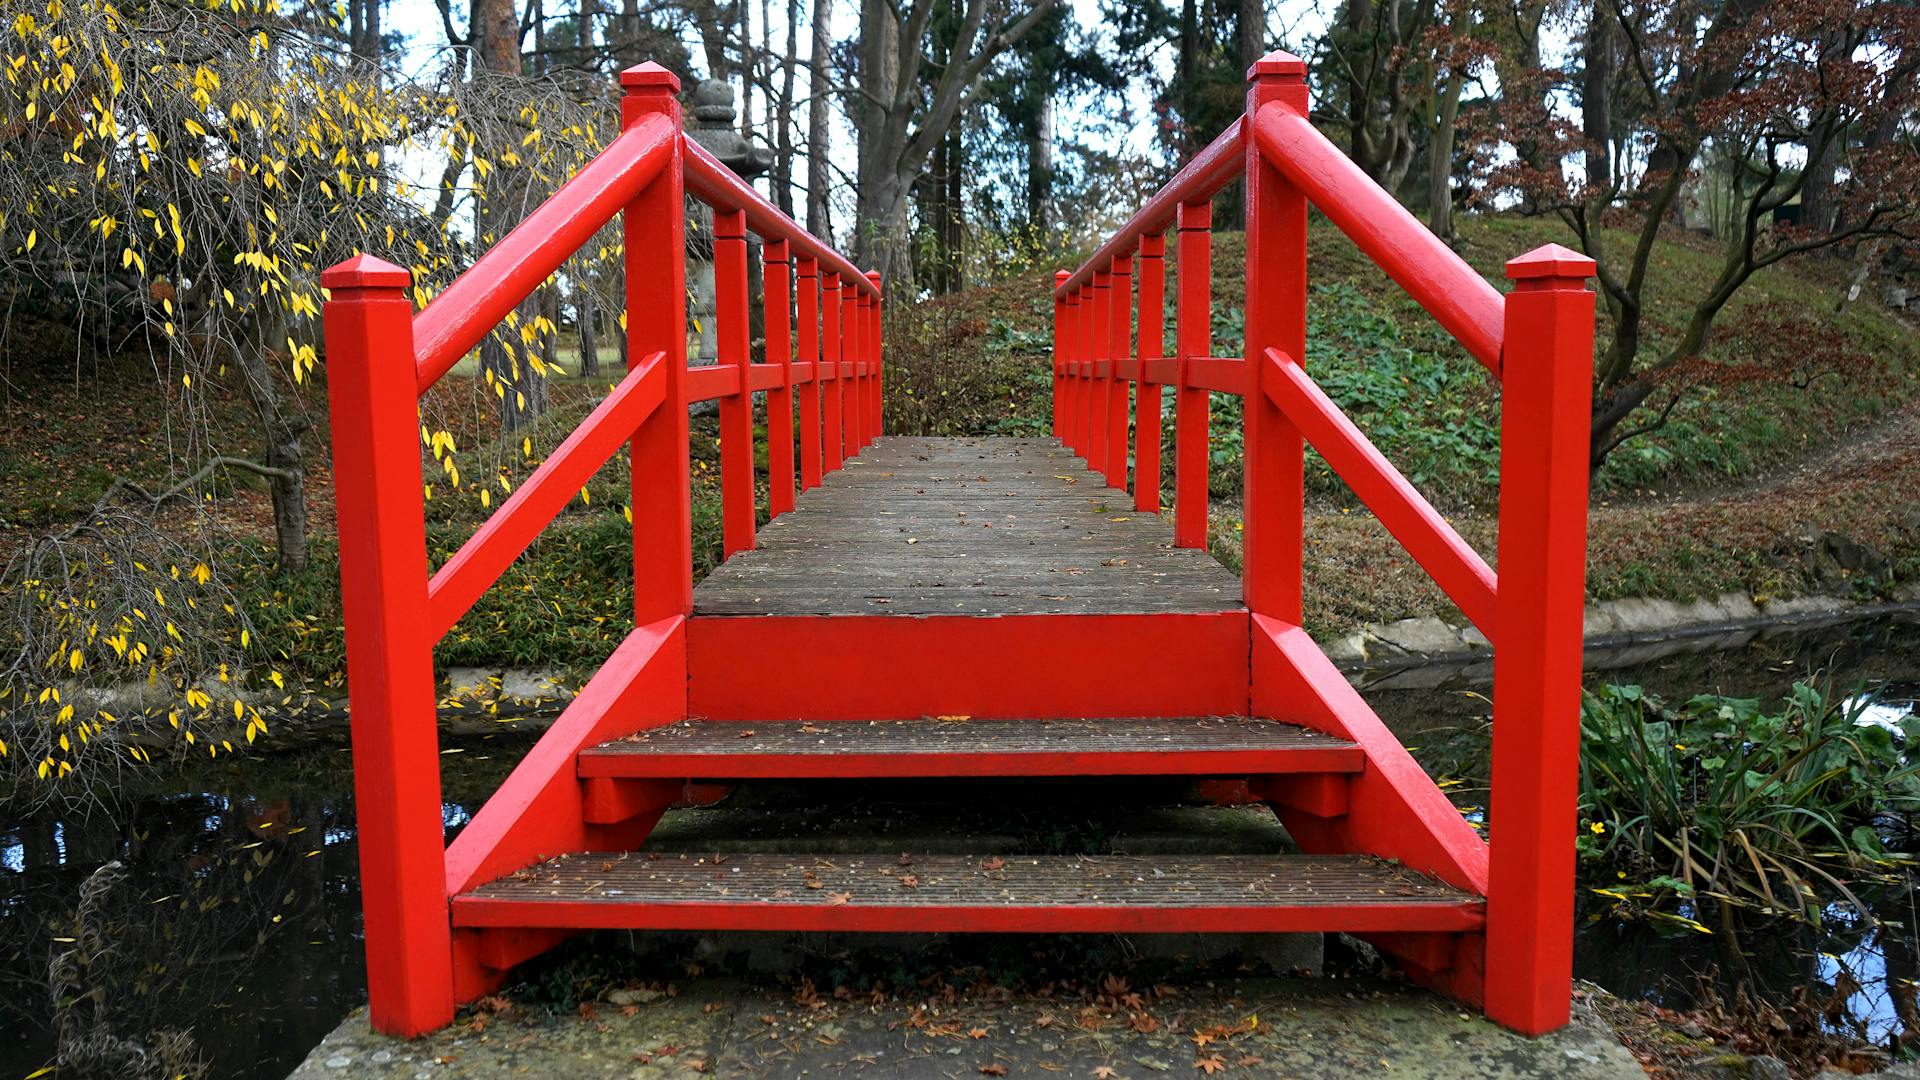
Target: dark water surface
column 235, row 915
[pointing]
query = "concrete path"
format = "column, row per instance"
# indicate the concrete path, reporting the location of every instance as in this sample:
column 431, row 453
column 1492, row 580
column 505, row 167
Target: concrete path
column 1297, row 1028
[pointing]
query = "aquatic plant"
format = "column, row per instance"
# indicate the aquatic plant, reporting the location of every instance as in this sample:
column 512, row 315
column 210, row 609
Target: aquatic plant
column 1720, row 798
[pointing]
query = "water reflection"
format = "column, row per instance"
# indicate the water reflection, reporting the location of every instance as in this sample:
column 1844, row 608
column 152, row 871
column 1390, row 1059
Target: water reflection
column 231, row 919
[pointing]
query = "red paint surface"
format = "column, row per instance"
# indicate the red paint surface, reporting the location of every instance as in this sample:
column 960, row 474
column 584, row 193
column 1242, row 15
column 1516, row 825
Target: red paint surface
column 884, row 667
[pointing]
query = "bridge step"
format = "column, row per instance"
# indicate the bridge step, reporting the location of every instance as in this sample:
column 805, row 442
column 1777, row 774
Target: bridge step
column 792, row 749
column 994, row 894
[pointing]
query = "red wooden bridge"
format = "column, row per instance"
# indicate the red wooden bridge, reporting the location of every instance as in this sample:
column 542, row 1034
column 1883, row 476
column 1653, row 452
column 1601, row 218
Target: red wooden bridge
column 968, row 607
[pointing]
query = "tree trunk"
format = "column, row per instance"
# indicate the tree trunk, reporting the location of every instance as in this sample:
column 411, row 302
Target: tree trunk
column 1596, row 101
column 953, row 240
column 1040, row 153
column 584, row 313
column 1188, row 72
column 282, row 428
column 783, row 121
column 818, row 134
column 1440, row 155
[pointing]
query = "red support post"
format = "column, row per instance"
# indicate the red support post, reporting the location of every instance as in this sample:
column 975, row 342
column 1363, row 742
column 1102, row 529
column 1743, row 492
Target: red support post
column 1090, row 380
column 1146, row 394
column 1070, row 423
column 1101, row 339
column 776, row 279
column 863, row 370
column 1060, row 355
column 1545, row 416
column 1119, row 332
column 371, row 387
column 831, row 345
column 736, row 409
column 1193, row 330
column 809, row 296
column 876, row 420
column 849, row 389
column 1276, row 312
column 657, row 322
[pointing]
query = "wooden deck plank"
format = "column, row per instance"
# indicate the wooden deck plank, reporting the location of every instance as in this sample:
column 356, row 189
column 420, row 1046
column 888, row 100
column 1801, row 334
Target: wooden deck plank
column 974, row 526
column 1131, row 746
column 1020, row 893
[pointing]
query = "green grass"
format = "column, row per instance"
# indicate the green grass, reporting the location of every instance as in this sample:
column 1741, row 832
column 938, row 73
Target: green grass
column 1432, row 409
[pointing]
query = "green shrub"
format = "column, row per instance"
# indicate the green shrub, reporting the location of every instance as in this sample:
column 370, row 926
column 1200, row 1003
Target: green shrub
column 1717, row 797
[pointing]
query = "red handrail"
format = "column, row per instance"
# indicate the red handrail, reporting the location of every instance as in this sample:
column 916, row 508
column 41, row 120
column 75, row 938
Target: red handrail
column 467, row 310
column 1419, row 261
column 721, row 188
column 1538, row 340
column 381, row 358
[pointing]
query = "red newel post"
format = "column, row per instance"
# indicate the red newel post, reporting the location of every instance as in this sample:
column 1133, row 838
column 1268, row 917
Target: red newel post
column 371, row 391
column 1146, row 396
column 777, row 298
column 1545, row 416
column 1193, row 332
column 654, row 227
column 1060, row 355
column 736, row 409
column 830, row 343
column 1276, row 319
column 876, row 417
column 1119, row 330
column 809, row 296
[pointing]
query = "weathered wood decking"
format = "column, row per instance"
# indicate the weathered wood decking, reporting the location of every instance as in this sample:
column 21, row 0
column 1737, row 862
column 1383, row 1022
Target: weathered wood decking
column 959, row 526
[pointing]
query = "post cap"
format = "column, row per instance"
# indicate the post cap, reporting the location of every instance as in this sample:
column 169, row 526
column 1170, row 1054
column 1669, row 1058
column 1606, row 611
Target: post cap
column 1278, row 62
column 365, row 272
column 874, row 276
column 1550, row 261
column 648, row 76
column 1060, row 278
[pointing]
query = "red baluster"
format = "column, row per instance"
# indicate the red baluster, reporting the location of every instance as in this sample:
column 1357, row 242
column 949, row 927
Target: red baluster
column 830, row 366
column 1193, row 332
column 736, row 409
column 1146, row 401
column 776, row 278
column 1119, row 333
column 809, row 295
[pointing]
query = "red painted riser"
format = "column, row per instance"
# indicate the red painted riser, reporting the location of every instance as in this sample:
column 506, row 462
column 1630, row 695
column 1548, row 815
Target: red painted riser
column 476, row 912
column 858, row 667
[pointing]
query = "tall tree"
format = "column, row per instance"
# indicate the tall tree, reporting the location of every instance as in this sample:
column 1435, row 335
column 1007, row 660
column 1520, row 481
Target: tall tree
column 819, row 133
column 1761, row 87
column 899, row 127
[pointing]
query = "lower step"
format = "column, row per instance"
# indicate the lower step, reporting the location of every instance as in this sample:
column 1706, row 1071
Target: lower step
column 1176, row 746
column 959, row 893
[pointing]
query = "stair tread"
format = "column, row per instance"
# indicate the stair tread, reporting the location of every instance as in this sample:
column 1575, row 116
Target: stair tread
column 1120, row 892
column 1196, row 744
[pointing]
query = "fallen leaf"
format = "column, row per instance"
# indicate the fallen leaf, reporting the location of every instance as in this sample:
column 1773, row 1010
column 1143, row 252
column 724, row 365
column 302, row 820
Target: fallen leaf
column 977, row 1033
column 1210, row 1065
column 993, row 1070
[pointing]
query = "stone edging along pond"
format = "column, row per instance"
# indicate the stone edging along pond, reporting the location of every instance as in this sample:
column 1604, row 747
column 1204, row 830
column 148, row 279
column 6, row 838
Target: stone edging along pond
column 1429, row 651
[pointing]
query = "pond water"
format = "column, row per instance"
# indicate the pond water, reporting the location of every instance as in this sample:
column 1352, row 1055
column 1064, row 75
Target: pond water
column 229, row 905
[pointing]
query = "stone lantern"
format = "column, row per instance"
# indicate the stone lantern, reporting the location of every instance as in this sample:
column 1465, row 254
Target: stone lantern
column 712, row 126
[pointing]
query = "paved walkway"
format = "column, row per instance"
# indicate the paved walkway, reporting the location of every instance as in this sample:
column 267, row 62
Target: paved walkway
column 1269, row 1028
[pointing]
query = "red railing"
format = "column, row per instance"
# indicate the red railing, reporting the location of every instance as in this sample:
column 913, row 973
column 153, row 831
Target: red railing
column 1538, row 340
column 382, row 357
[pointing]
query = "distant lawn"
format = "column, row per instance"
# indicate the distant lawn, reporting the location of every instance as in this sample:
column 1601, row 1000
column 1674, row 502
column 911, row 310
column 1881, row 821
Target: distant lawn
column 1425, row 402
